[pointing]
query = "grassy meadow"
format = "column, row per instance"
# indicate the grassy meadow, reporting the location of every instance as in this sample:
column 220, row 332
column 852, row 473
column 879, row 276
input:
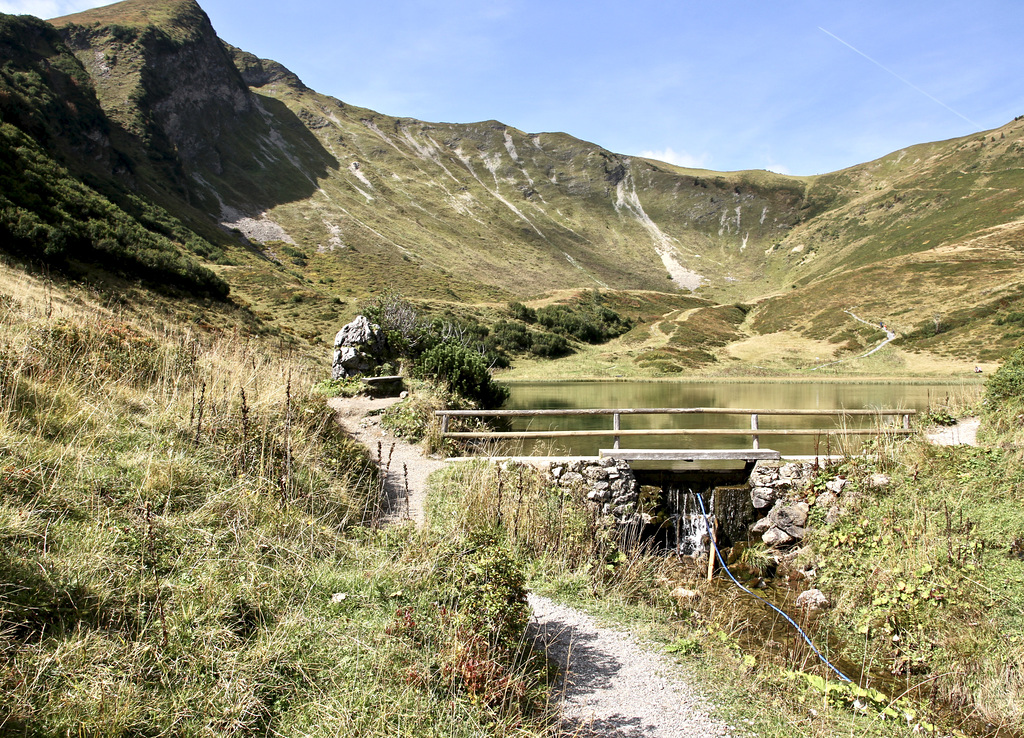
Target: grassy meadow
column 189, row 546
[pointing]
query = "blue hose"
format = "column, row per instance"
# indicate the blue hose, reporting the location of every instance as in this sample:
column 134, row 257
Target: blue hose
column 718, row 554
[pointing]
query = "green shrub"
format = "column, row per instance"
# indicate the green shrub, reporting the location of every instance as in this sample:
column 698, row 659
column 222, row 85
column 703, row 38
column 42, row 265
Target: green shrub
column 486, row 586
column 1007, row 384
column 519, row 311
column 464, row 372
column 590, row 322
column 550, row 346
column 512, row 336
column 48, row 214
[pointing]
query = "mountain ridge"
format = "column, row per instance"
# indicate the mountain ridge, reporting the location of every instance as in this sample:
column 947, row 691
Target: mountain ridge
column 338, row 201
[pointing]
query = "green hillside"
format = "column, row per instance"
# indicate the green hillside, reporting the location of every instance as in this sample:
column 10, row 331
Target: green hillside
column 305, row 205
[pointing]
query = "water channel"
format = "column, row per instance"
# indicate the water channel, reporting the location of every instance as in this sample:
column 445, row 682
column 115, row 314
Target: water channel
column 726, row 394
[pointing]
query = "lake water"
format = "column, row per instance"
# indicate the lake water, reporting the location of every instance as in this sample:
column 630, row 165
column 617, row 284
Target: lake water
column 754, row 395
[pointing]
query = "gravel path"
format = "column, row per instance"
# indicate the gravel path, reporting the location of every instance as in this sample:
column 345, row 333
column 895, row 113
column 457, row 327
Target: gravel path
column 964, row 433
column 614, row 686
column 407, row 469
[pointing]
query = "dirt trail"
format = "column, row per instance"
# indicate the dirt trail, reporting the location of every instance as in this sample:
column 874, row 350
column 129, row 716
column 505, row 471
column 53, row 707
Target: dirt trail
column 407, row 469
column 890, row 336
column 612, row 685
column 964, row 433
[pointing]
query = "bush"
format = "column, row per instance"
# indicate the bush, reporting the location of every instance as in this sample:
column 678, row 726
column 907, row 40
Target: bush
column 590, row 323
column 487, row 588
column 464, row 372
column 550, row 346
column 1007, row 384
column 512, row 336
column 519, row 311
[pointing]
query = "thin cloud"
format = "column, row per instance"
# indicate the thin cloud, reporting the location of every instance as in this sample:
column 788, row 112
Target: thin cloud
column 48, row 8
column 679, row 158
column 904, row 80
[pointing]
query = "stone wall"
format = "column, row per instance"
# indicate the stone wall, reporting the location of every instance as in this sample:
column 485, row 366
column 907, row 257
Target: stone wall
column 781, row 494
column 608, row 483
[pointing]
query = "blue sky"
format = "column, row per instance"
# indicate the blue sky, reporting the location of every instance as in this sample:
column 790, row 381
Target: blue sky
column 796, row 86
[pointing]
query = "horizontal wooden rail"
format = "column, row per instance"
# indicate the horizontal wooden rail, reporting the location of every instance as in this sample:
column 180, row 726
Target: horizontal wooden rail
column 616, row 431
column 680, row 432
column 665, row 411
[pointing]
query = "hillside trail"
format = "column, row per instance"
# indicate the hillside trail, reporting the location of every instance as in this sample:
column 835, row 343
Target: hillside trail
column 890, row 336
column 611, row 684
column 659, row 335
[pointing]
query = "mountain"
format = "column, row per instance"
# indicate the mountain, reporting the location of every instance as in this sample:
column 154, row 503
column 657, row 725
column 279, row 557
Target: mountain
column 304, row 204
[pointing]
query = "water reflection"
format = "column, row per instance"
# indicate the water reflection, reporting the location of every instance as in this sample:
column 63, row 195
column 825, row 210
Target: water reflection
column 739, row 395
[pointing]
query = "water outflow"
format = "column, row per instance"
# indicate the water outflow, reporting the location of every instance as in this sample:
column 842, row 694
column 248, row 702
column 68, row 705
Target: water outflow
column 729, row 508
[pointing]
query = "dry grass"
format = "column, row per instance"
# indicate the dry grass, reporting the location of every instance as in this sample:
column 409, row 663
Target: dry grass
column 180, row 548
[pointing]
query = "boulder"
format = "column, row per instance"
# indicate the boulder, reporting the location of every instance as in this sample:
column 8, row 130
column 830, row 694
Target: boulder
column 571, row 479
column 790, row 517
column 813, row 600
column 359, row 348
column 764, row 474
column 762, row 497
column 826, row 500
column 796, row 474
column 776, row 537
column 836, row 486
column 879, row 481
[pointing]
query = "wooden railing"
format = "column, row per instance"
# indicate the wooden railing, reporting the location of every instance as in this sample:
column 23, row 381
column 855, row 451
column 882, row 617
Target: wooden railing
column 617, row 432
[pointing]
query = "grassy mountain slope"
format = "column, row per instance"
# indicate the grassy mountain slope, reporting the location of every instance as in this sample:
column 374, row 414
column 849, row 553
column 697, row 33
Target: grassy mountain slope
column 309, row 205
column 349, row 187
column 929, row 239
column 56, row 161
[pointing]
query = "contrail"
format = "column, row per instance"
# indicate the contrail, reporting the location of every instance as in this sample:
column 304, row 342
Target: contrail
column 901, row 79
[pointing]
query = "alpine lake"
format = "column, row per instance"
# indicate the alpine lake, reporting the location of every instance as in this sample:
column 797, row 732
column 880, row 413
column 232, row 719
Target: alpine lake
column 753, row 395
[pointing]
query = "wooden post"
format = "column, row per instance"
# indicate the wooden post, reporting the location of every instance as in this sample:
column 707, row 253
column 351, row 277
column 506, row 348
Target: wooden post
column 906, row 421
column 756, row 443
column 711, row 547
column 444, row 425
column 616, row 426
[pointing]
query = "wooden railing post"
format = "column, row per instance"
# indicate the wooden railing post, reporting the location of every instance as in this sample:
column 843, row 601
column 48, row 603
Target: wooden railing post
column 906, row 421
column 756, row 443
column 616, row 426
column 444, row 426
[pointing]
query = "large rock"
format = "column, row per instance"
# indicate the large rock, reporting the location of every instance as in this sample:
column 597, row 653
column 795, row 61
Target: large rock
column 813, row 600
column 359, row 348
column 762, row 497
column 790, row 517
column 879, row 481
column 774, row 537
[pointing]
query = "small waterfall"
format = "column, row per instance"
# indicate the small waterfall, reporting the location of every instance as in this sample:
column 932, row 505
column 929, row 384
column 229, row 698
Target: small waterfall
column 728, row 507
column 688, row 523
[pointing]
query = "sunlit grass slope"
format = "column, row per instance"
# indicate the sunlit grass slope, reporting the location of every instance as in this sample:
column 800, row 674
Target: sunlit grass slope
column 187, row 547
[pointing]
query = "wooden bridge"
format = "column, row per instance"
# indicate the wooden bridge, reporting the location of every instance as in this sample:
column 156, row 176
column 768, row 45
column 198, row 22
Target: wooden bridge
column 887, row 421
